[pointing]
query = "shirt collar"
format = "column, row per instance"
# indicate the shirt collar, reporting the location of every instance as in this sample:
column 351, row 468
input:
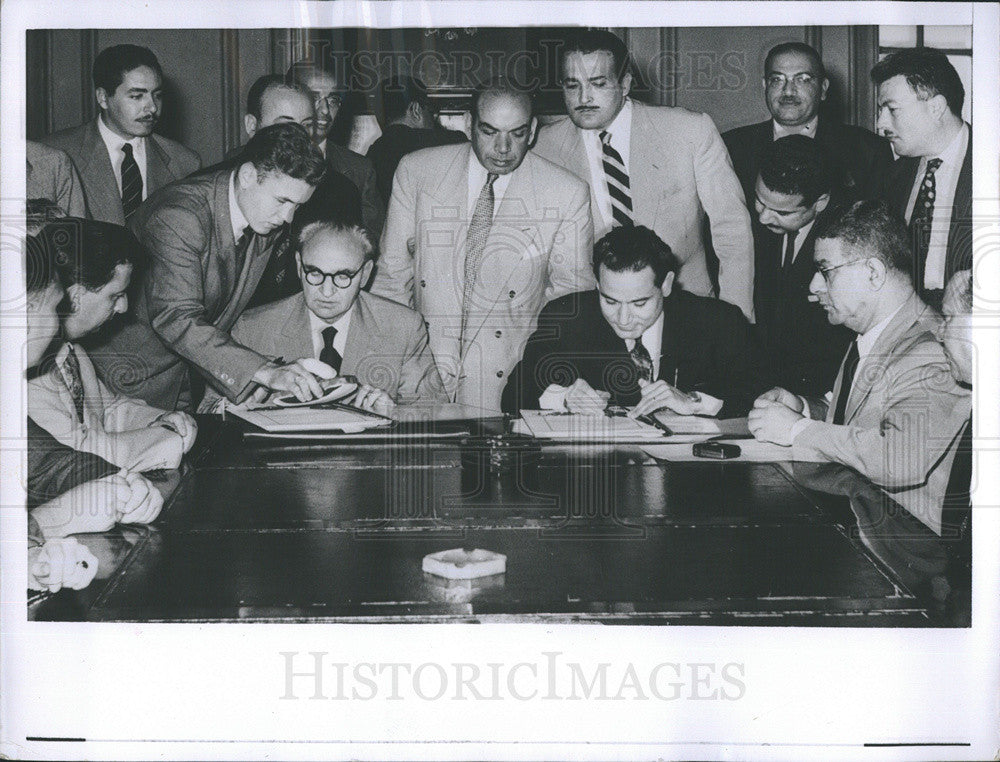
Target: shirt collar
column 114, row 141
column 954, row 154
column 621, row 124
column 808, row 129
column 477, row 179
column 866, row 341
column 652, row 338
column 236, row 218
column 341, row 324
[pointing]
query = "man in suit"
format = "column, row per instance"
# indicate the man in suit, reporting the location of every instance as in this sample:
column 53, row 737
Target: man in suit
column 920, row 98
column 382, row 343
column 894, row 406
column 638, row 340
column 121, row 161
column 665, row 168
column 791, row 195
column 209, row 239
column 795, row 85
column 328, row 96
column 478, row 238
column 408, row 124
column 51, row 176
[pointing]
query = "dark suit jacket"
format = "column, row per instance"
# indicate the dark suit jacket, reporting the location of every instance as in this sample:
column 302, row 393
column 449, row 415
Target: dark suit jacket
column 54, row 468
column 395, row 142
column 801, row 348
column 861, row 158
column 191, row 294
column 359, row 171
column 166, row 161
column 707, row 341
column 899, row 184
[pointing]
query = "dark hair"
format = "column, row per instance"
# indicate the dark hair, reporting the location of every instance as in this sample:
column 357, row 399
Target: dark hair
column 498, row 86
column 928, row 71
column 796, row 166
column 593, row 40
column 39, row 268
column 87, row 252
column 300, row 72
column 874, row 228
column 795, row 47
column 285, row 148
column 255, row 98
column 113, row 63
column 397, row 93
column 633, row 248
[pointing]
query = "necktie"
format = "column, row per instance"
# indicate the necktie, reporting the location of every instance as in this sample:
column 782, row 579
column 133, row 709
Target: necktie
column 920, row 223
column 850, row 367
column 479, row 231
column 643, row 362
column 328, row 354
column 131, row 182
column 241, row 248
column 74, row 382
column 618, row 184
column 789, row 260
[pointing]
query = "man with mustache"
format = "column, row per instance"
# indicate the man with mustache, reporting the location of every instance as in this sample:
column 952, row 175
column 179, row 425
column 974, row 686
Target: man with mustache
column 119, row 158
column 662, row 167
column 920, row 98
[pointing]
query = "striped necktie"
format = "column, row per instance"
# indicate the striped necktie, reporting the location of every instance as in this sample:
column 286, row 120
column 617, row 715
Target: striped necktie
column 131, row 182
column 618, row 184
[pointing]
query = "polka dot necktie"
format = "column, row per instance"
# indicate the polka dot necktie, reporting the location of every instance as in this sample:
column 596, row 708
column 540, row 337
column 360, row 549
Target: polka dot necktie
column 920, row 223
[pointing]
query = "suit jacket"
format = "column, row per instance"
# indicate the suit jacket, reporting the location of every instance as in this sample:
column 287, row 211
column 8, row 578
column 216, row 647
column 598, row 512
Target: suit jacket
column 359, row 171
column 51, row 406
column 54, row 468
column 705, row 341
column 800, row 345
column 386, row 344
column 680, row 174
column 901, row 417
column 395, row 142
column 860, row 158
column 51, row 175
column 898, row 186
column 538, row 248
column 189, row 298
column 166, row 161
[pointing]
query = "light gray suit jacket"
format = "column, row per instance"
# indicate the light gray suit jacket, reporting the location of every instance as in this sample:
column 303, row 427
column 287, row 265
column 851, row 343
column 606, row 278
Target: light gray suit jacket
column 51, row 175
column 539, row 248
column 680, row 173
column 166, row 161
column 386, row 344
column 901, row 418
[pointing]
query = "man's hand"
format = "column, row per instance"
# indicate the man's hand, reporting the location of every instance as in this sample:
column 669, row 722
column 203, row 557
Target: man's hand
column 181, row 424
column 91, row 507
column 294, row 378
column 144, row 501
column 782, row 397
column 582, row 398
column 377, row 401
column 61, row 562
column 659, row 395
column 773, row 422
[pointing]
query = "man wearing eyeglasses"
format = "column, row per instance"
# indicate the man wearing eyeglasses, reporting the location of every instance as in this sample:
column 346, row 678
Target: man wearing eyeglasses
column 893, row 406
column 795, row 84
column 382, row 343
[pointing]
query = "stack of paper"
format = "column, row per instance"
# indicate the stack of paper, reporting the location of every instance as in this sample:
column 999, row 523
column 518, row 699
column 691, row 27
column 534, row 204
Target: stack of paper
column 545, row 424
column 310, row 419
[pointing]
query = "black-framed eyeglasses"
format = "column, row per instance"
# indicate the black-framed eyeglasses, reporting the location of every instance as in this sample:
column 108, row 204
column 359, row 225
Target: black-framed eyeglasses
column 341, row 279
column 801, row 79
column 825, row 271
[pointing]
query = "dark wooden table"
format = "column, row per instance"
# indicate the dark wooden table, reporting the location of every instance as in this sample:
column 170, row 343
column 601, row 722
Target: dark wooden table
column 265, row 530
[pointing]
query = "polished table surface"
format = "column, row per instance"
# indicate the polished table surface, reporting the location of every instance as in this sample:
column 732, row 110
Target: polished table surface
column 304, row 530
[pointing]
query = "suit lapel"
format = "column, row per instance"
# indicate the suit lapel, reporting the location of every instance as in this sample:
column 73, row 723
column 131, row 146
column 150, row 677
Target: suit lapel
column 961, row 217
column 669, row 349
column 158, row 171
column 99, row 178
column 296, row 331
column 363, row 336
column 645, row 161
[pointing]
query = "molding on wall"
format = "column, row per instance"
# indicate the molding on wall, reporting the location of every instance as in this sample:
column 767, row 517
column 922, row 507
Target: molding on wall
column 814, row 39
column 38, row 78
column 667, row 96
column 862, row 53
column 229, row 47
column 88, row 52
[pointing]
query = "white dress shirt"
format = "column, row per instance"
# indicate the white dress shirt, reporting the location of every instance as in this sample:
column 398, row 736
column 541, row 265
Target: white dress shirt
column 945, row 183
column 621, row 141
column 808, row 129
column 477, row 179
column 114, row 142
column 800, row 238
column 236, row 218
column 317, row 326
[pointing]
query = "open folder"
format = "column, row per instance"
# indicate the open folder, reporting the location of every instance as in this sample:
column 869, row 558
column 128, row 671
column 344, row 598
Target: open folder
column 330, row 417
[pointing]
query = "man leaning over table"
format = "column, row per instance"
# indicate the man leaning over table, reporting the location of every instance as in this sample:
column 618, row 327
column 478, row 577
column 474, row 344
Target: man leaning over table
column 894, row 407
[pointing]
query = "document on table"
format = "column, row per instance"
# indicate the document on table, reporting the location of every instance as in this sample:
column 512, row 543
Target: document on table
column 545, row 424
column 683, row 425
column 310, row 419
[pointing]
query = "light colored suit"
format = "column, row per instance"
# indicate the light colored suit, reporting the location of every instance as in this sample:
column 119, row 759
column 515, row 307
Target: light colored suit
column 680, row 173
column 386, row 344
column 166, row 161
column 539, row 248
column 901, row 418
column 51, row 175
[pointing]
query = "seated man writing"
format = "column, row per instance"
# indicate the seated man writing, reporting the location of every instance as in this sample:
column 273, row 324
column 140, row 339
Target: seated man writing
column 637, row 340
column 895, row 407
column 382, row 343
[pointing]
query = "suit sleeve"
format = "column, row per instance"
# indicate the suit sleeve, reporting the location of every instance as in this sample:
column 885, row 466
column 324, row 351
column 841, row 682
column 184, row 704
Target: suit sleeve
column 176, row 240
column 394, row 279
column 739, row 369
column 525, row 383
column 419, row 380
column 722, row 197
column 54, row 468
column 570, row 257
column 69, row 189
column 899, row 452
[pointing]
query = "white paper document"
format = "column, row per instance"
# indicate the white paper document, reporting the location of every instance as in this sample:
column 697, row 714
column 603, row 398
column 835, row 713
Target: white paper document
column 310, row 419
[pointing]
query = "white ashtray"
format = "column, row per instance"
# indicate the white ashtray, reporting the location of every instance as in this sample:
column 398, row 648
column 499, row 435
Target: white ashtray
column 459, row 563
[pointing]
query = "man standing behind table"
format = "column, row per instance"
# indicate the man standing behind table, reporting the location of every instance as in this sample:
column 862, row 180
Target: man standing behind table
column 637, row 340
column 662, row 167
column 119, row 158
column 209, row 239
column 478, row 238
column 894, row 406
column 795, row 85
column 920, row 98
column 382, row 343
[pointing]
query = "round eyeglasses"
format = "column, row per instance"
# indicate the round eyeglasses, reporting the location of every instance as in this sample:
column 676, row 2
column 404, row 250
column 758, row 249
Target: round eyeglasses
column 801, row 79
column 341, row 278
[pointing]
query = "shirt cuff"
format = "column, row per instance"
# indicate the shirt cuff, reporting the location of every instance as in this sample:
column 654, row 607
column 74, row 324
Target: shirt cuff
column 799, row 426
column 553, row 398
column 707, row 404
